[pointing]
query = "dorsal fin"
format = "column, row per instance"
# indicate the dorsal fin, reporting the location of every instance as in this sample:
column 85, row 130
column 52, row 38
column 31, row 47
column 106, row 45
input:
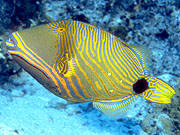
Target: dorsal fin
column 145, row 57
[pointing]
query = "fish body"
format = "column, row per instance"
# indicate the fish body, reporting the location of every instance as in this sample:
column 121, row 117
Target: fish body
column 80, row 63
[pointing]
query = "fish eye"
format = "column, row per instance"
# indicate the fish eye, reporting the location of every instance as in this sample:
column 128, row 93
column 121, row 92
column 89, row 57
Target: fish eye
column 140, row 86
column 61, row 29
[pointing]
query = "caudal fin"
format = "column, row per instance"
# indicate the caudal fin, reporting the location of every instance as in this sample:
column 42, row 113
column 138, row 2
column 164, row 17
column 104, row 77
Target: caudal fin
column 158, row 91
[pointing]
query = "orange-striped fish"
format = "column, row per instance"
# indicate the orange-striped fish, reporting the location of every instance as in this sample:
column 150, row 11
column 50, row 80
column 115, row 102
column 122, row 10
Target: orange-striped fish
column 80, row 63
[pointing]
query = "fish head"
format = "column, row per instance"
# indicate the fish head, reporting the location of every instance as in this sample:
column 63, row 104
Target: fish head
column 43, row 52
column 158, row 91
column 31, row 50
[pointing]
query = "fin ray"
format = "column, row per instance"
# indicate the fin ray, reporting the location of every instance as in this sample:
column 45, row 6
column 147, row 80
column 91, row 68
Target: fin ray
column 144, row 55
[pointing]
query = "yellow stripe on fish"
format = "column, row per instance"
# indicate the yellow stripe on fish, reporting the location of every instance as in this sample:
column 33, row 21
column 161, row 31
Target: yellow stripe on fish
column 81, row 63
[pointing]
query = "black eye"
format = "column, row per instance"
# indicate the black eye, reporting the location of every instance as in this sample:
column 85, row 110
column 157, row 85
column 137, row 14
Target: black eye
column 140, row 86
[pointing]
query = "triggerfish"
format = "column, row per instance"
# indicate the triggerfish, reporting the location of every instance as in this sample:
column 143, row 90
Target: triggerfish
column 81, row 63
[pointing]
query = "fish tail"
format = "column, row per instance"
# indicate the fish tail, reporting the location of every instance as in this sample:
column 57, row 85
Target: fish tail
column 158, row 91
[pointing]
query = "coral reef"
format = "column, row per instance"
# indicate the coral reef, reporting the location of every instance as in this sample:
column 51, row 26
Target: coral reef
column 18, row 13
column 7, row 66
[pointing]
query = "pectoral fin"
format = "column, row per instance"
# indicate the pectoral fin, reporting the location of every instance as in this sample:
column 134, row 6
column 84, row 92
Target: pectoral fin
column 65, row 66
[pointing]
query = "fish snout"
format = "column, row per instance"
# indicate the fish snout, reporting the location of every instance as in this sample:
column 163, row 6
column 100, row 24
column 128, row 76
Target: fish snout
column 11, row 43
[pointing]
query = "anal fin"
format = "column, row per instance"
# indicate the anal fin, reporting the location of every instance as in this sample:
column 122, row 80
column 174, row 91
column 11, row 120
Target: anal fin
column 117, row 108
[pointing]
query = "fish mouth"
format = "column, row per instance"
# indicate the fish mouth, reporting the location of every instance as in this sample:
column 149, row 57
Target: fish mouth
column 11, row 43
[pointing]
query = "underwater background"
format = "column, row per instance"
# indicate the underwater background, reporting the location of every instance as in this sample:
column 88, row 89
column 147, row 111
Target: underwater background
column 26, row 108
